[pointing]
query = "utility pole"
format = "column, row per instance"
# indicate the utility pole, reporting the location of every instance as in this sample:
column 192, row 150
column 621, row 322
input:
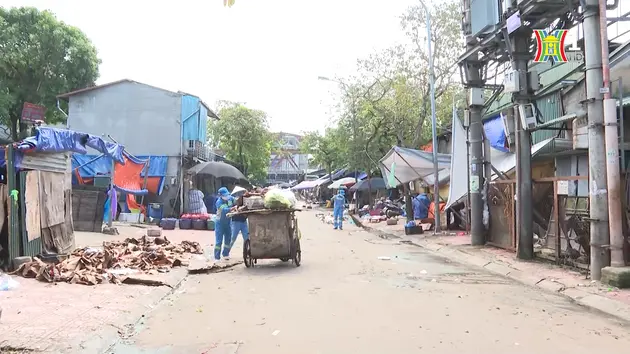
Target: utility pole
column 524, row 205
column 475, row 82
column 612, row 150
column 598, row 192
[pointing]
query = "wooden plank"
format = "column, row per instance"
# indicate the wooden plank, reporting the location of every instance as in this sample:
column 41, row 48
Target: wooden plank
column 32, row 206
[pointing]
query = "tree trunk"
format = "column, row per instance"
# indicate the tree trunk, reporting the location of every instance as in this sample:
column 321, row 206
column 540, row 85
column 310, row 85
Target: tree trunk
column 369, row 179
column 14, row 127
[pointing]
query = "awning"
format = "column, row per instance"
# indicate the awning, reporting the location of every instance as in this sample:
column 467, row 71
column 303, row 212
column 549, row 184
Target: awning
column 459, row 163
column 342, row 182
column 403, row 165
column 304, row 185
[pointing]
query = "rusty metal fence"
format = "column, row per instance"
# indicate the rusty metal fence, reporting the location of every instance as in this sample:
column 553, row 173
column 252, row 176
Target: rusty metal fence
column 555, row 199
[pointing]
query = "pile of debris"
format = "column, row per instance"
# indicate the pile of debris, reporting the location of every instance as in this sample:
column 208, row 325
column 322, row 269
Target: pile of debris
column 115, row 263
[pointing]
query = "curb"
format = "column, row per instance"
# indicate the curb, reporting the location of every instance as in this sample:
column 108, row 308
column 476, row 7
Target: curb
column 583, row 298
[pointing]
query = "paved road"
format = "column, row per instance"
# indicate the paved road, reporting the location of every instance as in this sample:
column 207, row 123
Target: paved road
column 344, row 299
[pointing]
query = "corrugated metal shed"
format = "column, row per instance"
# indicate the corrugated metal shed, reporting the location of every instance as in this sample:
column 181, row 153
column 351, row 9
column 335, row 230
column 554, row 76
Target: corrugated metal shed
column 43, row 161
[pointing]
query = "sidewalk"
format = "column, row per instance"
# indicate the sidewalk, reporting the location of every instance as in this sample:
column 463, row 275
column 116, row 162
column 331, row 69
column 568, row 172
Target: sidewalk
column 548, row 277
column 61, row 317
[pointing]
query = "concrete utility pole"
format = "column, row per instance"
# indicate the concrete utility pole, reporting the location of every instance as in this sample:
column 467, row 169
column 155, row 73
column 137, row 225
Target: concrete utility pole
column 598, row 206
column 612, row 150
column 473, row 77
column 520, row 57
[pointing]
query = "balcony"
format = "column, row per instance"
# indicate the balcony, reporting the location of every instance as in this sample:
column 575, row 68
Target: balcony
column 199, row 151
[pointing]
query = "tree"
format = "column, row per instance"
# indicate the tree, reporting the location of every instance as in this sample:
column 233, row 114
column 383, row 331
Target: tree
column 243, row 134
column 41, row 58
column 327, row 150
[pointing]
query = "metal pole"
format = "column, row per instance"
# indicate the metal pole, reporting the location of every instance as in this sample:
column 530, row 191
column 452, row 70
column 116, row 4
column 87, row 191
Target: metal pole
column 524, row 205
column 598, row 198
column 436, row 180
column 612, row 150
column 621, row 127
column 474, row 80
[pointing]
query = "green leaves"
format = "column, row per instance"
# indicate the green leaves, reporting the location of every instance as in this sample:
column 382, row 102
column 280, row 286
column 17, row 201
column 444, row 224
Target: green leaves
column 328, row 150
column 40, row 58
column 243, row 134
column 387, row 102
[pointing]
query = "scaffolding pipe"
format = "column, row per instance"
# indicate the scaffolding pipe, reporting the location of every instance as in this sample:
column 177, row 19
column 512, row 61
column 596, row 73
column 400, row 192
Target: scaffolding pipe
column 611, row 133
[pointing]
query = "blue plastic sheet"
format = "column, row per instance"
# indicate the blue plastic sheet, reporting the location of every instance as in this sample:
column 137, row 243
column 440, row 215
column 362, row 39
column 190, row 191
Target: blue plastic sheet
column 495, row 133
column 63, row 140
column 103, row 165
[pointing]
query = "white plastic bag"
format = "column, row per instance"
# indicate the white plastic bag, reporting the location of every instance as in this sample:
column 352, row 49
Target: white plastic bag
column 7, row 283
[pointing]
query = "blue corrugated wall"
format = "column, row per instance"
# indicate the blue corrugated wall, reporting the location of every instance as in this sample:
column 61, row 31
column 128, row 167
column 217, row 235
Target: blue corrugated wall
column 194, row 116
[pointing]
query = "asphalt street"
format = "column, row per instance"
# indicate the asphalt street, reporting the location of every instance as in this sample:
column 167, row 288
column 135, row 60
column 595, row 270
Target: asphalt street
column 356, row 292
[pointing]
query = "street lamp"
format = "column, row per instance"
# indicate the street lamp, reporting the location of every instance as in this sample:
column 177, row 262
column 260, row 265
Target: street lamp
column 436, row 187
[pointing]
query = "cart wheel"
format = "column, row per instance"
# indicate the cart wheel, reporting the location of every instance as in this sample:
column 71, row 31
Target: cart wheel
column 297, row 253
column 284, row 259
column 247, row 254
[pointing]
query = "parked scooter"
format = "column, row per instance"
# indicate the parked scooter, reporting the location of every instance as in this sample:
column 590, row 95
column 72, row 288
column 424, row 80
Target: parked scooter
column 391, row 209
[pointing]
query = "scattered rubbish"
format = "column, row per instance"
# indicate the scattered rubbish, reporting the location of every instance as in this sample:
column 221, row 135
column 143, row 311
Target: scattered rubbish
column 275, row 333
column 7, row 283
column 384, row 258
column 122, row 271
column 198, row 266
column 91, row 266
column 423, row 272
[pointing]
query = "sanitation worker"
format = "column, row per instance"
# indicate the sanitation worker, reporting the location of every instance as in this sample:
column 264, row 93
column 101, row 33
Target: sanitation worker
column 339, row 201
column 222, row 228
column 239, row 224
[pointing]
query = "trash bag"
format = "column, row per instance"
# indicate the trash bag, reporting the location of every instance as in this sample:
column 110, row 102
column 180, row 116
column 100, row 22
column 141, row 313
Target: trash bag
column 280, row 199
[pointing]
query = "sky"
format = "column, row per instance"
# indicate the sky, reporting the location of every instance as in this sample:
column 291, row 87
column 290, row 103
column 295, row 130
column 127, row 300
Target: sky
column 266, row 54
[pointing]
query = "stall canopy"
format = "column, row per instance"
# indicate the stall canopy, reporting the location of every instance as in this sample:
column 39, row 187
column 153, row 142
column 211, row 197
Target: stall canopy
column 304, row 185
column 403, row 165
column 342, row 182
column 374, row 184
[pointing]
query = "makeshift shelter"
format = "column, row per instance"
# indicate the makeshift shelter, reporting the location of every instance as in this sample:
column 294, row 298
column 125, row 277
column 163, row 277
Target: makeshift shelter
column 373, row 184
column 403, row 165
column 38, row 191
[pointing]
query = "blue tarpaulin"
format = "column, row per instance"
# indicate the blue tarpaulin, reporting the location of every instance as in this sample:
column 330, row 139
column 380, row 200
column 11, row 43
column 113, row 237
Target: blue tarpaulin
column 495, row 133
column 94, row 165
column 103, row 165
column 63, row 140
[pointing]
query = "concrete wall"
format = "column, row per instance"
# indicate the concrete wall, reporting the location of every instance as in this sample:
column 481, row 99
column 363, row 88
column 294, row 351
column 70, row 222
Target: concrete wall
column 144, row 119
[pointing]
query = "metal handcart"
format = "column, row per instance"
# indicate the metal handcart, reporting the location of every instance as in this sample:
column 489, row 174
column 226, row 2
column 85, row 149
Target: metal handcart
column 273, row 234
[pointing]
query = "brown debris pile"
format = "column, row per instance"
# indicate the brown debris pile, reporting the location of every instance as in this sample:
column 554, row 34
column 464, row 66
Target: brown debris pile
column 114, row 262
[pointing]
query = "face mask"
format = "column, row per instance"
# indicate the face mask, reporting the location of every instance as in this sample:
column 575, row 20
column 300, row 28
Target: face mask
column 225, row 198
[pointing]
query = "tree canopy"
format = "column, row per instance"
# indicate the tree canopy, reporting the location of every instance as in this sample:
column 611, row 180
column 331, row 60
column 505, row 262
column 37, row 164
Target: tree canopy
column 387, row 101
column 41, row 58
column 243, row 134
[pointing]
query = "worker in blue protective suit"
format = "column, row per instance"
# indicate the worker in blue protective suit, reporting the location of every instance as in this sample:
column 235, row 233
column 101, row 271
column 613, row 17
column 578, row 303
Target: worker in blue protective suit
column 222, row 227
column 239, row 224
column 420, row 206
column 339, row 202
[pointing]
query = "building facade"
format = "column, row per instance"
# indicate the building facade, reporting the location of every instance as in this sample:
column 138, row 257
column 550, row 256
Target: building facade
column 287, row 164
column 148, row 121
